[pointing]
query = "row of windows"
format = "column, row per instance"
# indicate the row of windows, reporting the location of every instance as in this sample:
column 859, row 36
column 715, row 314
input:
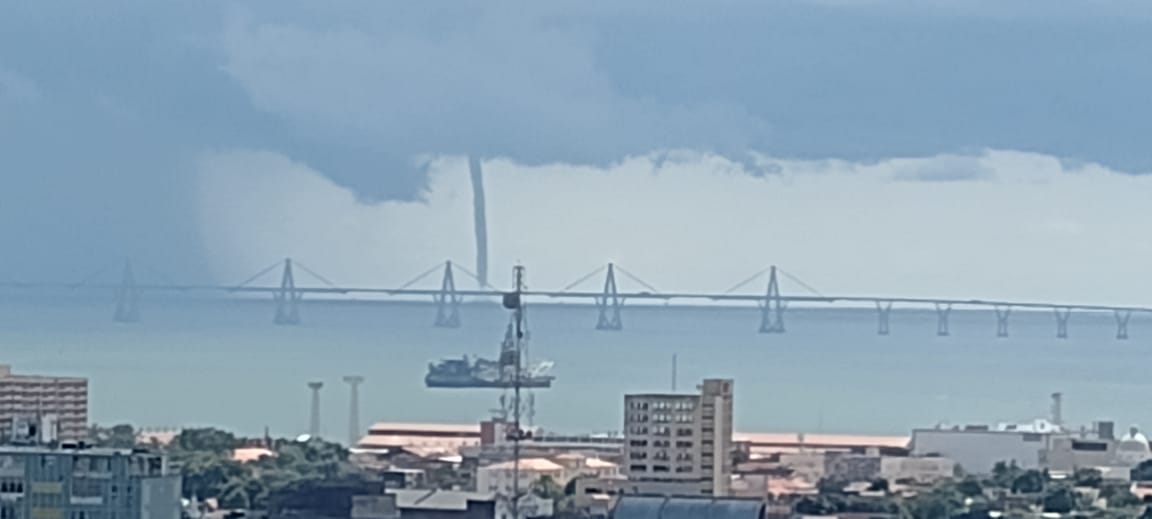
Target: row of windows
column 660, row 455
column 678, row 405
column 679, row 469
column 660, row 430
column 661, row 417
column 9, row 486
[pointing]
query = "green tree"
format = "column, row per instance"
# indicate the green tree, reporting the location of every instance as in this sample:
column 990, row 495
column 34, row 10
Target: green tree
column 1119, row 496
column 939, row 503
column 1004, row 474
column 831, row 485
column 1142, row 472
column 1029, row 482
column 1059, row 499
column 815, row 505
column 1088, row 478
column 970, row 487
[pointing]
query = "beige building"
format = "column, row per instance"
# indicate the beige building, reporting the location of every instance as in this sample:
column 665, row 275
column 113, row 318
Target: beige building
column 26, row 396
column 680, row 444
column 499, row 477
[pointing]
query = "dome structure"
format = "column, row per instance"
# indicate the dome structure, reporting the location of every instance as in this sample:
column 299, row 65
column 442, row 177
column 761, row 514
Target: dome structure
column 1133, row 447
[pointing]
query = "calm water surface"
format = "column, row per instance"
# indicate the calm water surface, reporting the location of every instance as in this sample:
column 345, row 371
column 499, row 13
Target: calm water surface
column 221, row 362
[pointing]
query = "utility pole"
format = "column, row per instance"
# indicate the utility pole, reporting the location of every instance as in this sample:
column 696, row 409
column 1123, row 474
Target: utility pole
column 353, row 382
column 314, row 428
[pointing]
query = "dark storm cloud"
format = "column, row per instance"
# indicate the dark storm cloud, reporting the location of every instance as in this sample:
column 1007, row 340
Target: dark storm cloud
column 104, row 106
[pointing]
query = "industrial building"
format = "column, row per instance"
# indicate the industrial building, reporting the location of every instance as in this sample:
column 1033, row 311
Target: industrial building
column 679, row 444
column 977, row 449
column 27, row 396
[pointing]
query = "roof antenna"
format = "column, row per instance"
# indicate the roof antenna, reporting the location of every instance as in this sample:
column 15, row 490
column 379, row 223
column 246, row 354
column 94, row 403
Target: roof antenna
column 673, row 372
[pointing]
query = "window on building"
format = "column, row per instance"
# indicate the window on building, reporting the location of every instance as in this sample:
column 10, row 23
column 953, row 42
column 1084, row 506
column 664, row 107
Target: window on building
column 638, row 443
column 683, row 469
column 637, row 468
column 683, row 431
column 683, row 444
column 1078, row 445
column 1032, row 437
column 660, row 468
column 84, row 487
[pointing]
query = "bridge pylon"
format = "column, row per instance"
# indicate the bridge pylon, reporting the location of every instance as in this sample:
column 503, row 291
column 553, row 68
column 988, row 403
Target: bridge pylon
column 1122, row 317
column 1062, row 316
column 772, row 307
column 127, row 297
column 287, row 298
column 609, row 304
column 447, row 301
column 942, row 313
column 883, row 312
column 1002, row 313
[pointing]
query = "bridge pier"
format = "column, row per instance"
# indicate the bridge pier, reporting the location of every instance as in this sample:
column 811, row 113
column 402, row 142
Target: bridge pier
column 883, row 311
column 1002, row 313
column 772, row 307
column 609, row 304
column 1122, row 317
column 287, row 298
column 127, row 297
column 1062, row 315
column 942, row 312
column 447, row 301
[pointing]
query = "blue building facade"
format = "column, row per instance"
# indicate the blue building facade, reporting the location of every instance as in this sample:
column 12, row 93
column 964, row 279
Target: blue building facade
column 83, row 483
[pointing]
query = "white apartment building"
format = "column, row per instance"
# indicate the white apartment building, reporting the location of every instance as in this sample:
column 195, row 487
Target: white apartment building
column 680, row 444
column 30, row 396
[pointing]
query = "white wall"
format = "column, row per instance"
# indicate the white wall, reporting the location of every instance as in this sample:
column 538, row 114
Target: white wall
column 978, row 451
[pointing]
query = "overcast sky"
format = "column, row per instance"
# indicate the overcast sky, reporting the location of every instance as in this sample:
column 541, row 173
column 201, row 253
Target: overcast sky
column 194, row 135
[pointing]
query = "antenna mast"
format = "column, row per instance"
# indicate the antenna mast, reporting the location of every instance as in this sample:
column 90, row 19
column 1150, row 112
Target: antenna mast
column 515, row 302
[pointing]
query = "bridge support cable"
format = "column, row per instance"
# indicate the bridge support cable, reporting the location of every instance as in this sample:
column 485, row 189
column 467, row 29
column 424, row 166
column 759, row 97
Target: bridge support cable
column 1002, row 313
column 287, row 298
column 772, row 307
column 479, row 282
column 127, row 297
column 447, row 301
column 1062, row 315
column 942, row 312
column 1122, row 317
column 609, row 303
column 883, row 312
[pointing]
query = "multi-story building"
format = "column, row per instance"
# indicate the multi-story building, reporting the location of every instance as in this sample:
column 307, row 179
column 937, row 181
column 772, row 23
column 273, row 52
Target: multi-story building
column 79, row 483
column 27, row 396
column 679, row 444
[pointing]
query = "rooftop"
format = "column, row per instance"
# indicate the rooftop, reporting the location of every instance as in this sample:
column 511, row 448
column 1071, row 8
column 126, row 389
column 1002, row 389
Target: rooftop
column 6, row 374
column 529, row 464
column 43, row 449
column 438, row 499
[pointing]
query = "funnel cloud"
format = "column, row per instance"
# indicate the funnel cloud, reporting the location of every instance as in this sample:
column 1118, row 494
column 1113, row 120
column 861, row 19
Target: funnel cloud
column 107, row 109
column 479, row 220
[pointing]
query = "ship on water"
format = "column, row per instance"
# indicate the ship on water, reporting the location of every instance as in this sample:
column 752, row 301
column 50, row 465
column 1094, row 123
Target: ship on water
column 479, row 372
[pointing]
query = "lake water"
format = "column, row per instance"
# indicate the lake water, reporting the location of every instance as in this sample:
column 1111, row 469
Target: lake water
column 222, row 362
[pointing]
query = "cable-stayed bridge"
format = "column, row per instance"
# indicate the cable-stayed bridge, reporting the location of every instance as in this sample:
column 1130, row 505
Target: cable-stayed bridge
column 609, row 298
